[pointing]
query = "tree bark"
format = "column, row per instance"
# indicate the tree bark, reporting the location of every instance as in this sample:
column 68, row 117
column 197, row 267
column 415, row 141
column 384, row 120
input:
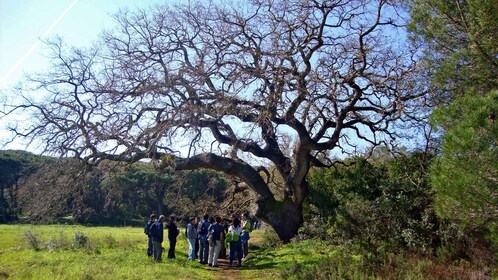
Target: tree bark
column 285, row 217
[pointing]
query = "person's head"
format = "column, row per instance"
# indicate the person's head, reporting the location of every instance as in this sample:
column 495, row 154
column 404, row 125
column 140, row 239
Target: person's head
column 218, row 219
column 161, row 218
column 211, row 220
column 206, row 217
column 152, row 217
column 197, row 219
column 192, row 220
column 236, row 222
column 172, row 219
column 244, row 216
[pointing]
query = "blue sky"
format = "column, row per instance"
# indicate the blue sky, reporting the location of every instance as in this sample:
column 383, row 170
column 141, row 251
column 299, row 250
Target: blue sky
column 23, row 23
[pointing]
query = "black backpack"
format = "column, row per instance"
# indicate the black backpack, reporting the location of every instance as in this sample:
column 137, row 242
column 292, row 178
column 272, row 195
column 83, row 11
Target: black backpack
column 204, row 229
column 153, row 229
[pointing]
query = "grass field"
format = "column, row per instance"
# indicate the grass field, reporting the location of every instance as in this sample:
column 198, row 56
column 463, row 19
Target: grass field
column 77, row 252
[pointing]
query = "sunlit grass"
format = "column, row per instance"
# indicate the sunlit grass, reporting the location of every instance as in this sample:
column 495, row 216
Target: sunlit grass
column 117, row 253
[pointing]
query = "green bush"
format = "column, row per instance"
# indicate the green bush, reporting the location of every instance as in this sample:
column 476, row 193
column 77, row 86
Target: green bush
column 80, row 240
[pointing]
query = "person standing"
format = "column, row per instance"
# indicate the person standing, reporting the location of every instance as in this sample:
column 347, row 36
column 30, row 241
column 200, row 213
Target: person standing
column 233, row 238
column 216, row 230
column 202, row 230
column 191, row 237
column 152, row 219
column 246, row 229
column 157, row 232
column 197, row 221
column 172, row 234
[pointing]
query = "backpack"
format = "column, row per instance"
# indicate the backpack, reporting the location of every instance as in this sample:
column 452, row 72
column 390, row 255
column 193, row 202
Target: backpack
column 153, row 229
column 204, row 229
column 147, row 228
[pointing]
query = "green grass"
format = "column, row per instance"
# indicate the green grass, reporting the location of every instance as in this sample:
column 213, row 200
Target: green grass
column 117, row 253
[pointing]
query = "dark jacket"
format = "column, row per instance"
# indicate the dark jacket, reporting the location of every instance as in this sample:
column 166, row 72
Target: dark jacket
column 147, row 228
column 172, row 231
column 216, row 230
column 157, row 232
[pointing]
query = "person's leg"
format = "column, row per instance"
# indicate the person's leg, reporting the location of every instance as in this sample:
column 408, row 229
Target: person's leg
column 201, row 251
column 191, row 249
column 174, row 249
column 231, row 253
column 239, row 252
column 171, row 251
column 206, row 251
column 211, row 254
column 157, row 250
column 197, row 245
column 217, row 249
column 150, row 248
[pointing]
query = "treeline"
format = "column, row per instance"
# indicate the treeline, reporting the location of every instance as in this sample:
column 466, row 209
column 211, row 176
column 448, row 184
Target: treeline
column 46, row 190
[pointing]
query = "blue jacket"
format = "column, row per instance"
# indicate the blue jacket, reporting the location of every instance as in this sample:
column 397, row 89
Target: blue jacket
column 157, row 231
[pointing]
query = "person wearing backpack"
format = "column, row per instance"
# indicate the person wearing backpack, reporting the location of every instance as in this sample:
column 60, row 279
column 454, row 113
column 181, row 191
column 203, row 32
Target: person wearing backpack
column 216, row 231
column 246, row 229
column 172, row 234
column 203, row 243
column 152, row 219
column 191, row 234
column 157, row 232
column 233, row 240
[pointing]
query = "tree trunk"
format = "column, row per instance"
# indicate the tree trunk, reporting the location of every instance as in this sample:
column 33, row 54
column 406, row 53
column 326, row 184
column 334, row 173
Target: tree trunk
column 285, row 217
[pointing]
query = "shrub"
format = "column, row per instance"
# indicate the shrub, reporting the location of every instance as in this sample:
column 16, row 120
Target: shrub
column 32, row 240
column 57, row 242
column 80, row 240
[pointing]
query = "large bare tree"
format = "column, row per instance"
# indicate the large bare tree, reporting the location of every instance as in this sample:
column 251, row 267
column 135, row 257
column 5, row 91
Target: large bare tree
column 235, row 86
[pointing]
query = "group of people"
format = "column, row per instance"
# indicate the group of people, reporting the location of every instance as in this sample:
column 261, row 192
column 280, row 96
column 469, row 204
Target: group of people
column 209, row 238
column 154, row 229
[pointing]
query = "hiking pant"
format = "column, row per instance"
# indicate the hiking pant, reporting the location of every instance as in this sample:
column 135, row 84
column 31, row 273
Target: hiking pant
column 244, row 237
column 149, row 247
column 191, row 248
column 158, row 250
column 203, row 250
column 235, row 248
column 214, row 252
column 171, row 251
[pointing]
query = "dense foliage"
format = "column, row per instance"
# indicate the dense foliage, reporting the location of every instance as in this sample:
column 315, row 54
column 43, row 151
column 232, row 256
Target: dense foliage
column 383, row 206
column 45, row 189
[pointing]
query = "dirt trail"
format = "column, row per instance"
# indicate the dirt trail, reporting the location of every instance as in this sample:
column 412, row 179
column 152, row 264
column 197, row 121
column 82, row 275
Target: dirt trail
column 224, row 271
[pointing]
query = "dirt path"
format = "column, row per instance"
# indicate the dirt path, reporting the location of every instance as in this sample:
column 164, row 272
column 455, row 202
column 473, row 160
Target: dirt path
column 224, row 271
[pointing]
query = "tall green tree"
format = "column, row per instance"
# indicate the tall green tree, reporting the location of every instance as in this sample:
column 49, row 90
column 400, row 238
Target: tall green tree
column 458, row 43
column 458, row 39
column 466, row 175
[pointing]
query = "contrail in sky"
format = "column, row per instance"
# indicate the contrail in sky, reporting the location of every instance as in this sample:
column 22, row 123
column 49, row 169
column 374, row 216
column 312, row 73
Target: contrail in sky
column 35, row 45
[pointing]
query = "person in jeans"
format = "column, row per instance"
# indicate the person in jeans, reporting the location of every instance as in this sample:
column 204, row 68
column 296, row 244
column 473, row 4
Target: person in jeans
column 202, row 230
column 216, row 230
column 172, row 234
column 157, row 231
column 191, row 237
column 246, row 229
column 235, row 242
column 152, row 220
